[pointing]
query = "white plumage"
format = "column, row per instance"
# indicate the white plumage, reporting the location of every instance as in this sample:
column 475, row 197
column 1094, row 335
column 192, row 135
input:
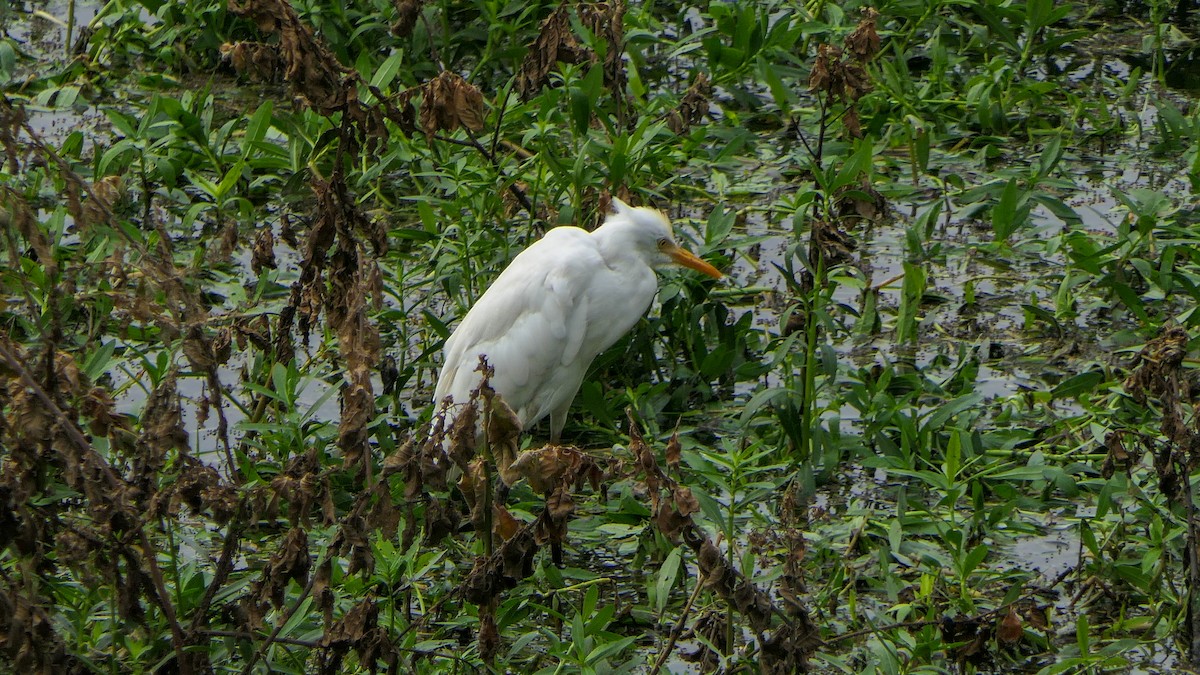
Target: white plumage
column 557, row 305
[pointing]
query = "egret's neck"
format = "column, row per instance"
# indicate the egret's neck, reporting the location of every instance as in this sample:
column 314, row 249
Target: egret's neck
column 619, row 243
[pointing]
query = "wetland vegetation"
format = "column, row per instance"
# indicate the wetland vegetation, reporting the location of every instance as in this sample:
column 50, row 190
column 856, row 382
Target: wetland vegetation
column 941, row 417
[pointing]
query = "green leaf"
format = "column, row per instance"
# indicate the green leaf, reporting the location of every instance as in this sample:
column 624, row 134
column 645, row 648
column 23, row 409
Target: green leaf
column 428, row 219
column 97, row 362
column 858, row 164
column 1088, row 537
column 1013, row 593
column 121, row 122
column 1051, row 154
column 256, row 128
column 229, row 180
column 939, row 417
column 761, row 399
column 1129, row 298
column 611, row 648
column 895, row 535
column 8, row 60
column 719, row 225
column 1078, row 384
column 1004, row 213
column 581, row 111
column 769, row 73
column 199, row 180
column 973, row 559
column 115, row 155
column 386, row 72
column 921, row 151
column 718, row 361
column 953, row 461
column 280, row 380
column 711, row 508
column 1083, row 636
column 668, row 574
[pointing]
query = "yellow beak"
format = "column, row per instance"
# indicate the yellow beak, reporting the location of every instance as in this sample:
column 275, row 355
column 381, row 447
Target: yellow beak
column 689, row 259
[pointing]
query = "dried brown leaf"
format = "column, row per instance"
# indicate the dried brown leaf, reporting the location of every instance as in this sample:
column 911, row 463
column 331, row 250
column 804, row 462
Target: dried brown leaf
column 692, row 107
column 358, row 409
column 103, row 196
column 1009, row 629
column 504, row 438
column 21, row 215
column 263, row 255
column 228, row 242
column 560, row 504
column 359, row 630
column 830, row 244
column 685, row 502
column 505, row 524
column 503, row 570
column 1118, row 458
column 489, row 637
column 670, row 521
column 819, row 76
column 257, row 61
column 1158, row 361
column 463, row 433
column 468, row 105
column 555, row 43
column 100, row 410
column 1036, row 616
column 552, row 466
column 674, row 451
column 448, row 102
column 288, row 233
column 440, row 520
column 162, row 423
column 290, row 562
column 864, row 42
column 407, row 13
column 198, row 349
column 473, row 485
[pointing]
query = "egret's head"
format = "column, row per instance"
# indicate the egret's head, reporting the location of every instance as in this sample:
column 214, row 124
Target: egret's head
column 652, row 235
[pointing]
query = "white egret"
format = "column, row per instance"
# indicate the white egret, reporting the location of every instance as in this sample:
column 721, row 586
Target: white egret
column 556, row 307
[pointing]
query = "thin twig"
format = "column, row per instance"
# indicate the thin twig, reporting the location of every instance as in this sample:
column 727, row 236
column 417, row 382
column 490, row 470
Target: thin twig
column 678, row 630
column 500, row 120
column 280, row 623
column 224, row 567
column 516, row 191
column 149, row 553
column 247, row 635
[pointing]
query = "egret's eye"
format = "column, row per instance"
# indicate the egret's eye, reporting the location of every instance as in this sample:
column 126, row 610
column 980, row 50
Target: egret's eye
column 663, row 243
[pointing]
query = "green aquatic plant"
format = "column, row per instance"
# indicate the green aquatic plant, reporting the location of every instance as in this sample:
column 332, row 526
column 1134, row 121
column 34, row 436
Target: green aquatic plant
column 960, row 330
